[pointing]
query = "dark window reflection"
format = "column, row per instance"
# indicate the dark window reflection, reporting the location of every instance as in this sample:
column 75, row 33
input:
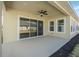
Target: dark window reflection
column 40, row 28
column 33, row 28
column 24, row 28
column 30, row 28
column 61, row 25
column 52, row 26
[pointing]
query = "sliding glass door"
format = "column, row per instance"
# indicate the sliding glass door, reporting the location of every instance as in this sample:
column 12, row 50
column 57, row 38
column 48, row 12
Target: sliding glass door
column 33, row 28
column 40, row 28
column 24, row 28
column 30, row 28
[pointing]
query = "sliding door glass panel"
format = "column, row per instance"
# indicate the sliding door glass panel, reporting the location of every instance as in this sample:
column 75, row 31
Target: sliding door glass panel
column 40, row 28
column 61, row 25
column 52, row 26
column 24, row 27
column 33, row 28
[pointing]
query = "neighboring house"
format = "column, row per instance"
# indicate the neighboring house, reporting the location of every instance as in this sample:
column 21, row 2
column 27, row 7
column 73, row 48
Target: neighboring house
column 23, row 20
column 26, row 20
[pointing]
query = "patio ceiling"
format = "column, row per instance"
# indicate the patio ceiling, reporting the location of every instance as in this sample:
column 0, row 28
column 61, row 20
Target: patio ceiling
column 33, row 7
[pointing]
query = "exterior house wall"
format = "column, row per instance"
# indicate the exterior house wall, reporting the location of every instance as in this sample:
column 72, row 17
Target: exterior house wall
column 74, row 25
column 10, row 24
column 11, row 27
column 0, row 28
column 0, row 23
column 66, row 32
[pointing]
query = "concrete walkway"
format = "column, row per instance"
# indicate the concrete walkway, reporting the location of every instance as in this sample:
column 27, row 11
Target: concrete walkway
column 36, row 47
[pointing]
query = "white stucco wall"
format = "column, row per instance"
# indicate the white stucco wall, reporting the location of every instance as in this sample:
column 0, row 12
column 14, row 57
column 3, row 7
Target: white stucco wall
column 0, row 27
column 10, row 23
column 73, row 23
column 66, row 32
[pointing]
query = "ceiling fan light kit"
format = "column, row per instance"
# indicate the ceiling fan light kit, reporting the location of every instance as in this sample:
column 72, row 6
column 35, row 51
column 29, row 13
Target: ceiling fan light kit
column 42, row 13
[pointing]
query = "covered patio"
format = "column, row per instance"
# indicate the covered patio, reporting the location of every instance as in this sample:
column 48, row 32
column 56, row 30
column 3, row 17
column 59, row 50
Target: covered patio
column 28, row 34
column 37, row 47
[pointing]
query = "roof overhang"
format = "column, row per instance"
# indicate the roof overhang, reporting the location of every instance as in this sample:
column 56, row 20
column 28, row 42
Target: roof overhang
column 65, row 7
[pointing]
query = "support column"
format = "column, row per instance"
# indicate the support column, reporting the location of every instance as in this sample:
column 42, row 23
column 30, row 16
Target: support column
column 68, row 28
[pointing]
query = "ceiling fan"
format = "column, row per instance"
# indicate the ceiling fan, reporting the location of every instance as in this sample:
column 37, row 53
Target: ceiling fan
column 42, row 13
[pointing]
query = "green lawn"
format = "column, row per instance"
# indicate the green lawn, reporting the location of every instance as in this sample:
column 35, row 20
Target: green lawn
column 75, row 52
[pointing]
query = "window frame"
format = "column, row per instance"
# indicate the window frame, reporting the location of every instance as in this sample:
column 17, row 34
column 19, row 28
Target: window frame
column 18, row 27
column 63, row 25
column 49, row 25
column 72, row 21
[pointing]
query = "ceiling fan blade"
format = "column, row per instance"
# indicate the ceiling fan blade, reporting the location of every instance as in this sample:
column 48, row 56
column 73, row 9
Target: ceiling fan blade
column 45, row 11
column 42, row 10
column 45, row 14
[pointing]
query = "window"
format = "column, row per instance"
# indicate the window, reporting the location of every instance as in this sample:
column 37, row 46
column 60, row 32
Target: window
column 60, row 25
column 30, row 28
column 40, row 28
column 24, row 28
column 33, row 28
column 73, row 26
column 52, row 26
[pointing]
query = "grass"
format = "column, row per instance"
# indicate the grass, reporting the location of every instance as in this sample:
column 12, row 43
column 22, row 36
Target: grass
column 75, row 52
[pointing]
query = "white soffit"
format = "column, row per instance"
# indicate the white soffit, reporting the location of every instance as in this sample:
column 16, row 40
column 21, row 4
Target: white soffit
column 64, row 7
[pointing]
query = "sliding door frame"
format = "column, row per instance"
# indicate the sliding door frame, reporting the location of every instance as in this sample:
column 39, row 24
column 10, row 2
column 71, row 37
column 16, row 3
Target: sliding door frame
column 18, row 28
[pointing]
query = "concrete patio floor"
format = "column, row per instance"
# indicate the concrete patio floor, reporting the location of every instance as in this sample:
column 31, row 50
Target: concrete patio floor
column 37, row 47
